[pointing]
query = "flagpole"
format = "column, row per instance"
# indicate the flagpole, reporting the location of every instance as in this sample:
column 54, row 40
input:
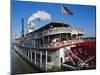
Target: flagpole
column 61, row 19
column 50, row 21
column 62, row 16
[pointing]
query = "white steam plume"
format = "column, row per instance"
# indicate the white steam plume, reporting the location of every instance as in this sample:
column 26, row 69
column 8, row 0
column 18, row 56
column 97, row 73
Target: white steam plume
column 42, row 15
column 39, row 15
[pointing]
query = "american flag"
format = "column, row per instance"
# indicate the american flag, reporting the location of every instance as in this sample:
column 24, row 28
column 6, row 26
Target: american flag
column 66, row 11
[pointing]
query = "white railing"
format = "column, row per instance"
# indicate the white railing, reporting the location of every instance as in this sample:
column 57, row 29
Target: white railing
column 52, row 31
column 56, row 31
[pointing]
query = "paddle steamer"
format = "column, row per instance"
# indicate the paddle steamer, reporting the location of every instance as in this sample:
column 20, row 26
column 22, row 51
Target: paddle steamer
column 57, row 46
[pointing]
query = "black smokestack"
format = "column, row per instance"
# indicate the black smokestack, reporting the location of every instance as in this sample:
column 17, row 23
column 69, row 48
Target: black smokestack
column 22, row 27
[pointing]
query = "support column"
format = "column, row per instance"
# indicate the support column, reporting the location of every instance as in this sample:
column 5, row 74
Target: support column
column 31, row 55
column 35, row 43
column 21, row 51
column 25, row 52
column 43, row 41
column 40, row 58
column 46, row 60
column 34, row 56
column 28, row 54
column 48, row 41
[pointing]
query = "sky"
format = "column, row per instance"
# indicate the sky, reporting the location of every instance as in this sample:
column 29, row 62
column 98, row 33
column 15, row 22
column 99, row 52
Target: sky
column 84, row 16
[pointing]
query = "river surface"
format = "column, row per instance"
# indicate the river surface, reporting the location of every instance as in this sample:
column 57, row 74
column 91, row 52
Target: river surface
column 19, row 65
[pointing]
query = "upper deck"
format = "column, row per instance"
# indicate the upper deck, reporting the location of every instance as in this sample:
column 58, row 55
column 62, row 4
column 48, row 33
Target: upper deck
column 52, row 29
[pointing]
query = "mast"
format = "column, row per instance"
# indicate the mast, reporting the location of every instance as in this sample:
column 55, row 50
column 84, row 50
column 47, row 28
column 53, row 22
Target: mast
column 22, row 27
